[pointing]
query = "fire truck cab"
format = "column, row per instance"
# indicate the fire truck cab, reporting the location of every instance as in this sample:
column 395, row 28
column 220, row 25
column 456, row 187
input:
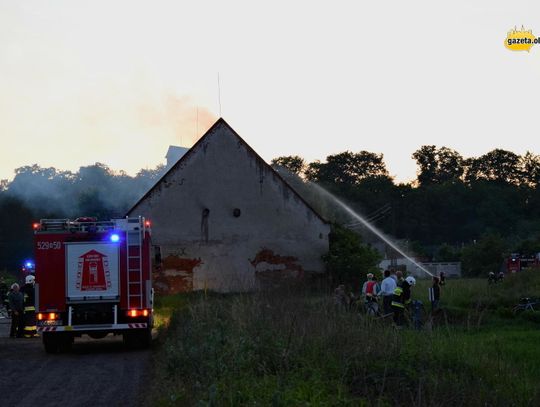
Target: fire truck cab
column 93, row 278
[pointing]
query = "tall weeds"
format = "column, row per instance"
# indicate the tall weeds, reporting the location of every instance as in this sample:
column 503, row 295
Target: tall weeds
column 298, row 349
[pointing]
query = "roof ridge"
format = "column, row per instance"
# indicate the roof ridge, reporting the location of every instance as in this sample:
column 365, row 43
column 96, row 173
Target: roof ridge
column 219, row 121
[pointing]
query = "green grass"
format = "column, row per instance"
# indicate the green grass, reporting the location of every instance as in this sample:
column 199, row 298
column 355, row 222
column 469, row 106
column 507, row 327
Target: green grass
column 164, row 307
column 297, row 349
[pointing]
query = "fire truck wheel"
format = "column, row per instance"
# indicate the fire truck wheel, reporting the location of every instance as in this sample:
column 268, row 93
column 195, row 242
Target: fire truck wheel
column 146, row 338
column 57, row 342
column 50, row 342
column 140, row 339
column 66, row 340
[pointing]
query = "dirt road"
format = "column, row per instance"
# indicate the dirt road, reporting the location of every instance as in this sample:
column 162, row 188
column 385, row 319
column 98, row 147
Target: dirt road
column 94, row 373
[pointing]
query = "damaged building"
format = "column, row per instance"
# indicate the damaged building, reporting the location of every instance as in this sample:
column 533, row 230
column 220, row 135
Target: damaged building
column 224, row 220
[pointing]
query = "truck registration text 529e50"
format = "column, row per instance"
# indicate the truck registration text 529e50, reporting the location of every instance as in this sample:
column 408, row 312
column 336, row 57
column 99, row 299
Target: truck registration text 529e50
column 49, row 245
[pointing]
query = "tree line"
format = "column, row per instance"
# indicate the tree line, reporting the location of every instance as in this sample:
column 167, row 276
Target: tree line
column 476, row 210
column 36, row 193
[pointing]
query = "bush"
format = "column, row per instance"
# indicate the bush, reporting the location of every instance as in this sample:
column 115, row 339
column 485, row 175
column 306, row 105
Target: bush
column 348, row 260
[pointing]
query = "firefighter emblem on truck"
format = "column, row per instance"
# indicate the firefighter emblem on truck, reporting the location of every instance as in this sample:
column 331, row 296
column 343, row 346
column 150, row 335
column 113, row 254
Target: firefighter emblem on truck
column 93, row 272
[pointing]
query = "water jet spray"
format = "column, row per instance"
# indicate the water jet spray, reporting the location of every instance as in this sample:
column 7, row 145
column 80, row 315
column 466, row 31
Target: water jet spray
column 370, row 227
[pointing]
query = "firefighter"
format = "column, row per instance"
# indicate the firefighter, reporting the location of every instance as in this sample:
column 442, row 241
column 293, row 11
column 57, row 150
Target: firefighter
column 491, row 278
column 402, row 299
column 442, row 278
column 29, row 307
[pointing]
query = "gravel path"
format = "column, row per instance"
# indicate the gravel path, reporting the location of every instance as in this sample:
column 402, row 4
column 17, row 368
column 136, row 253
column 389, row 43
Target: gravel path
column 95, row 373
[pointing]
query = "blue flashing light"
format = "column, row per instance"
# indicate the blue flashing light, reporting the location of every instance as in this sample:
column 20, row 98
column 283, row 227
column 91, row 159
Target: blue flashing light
column 115, row 237
column 28, row 264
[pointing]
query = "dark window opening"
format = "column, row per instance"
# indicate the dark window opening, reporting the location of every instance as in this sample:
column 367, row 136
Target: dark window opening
column 204, row 224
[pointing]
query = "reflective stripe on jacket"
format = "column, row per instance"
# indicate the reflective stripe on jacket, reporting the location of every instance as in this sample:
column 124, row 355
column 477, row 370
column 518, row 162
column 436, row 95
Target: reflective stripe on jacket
column 397, row 300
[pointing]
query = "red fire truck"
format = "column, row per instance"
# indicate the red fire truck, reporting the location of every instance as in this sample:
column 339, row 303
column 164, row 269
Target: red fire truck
column 93, row 278
column 517, row 262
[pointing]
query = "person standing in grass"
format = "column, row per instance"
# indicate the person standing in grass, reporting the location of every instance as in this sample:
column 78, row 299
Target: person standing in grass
column 371, row 287
column 399, row 278
column 393, row 275
column 442, row 278
column 491, row 278
column 388, row 286
column 402, row 299
column 398, row 307
column 370, row 292
column 435, row 294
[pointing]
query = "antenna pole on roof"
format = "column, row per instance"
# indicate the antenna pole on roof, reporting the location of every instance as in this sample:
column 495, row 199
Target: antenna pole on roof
column 219, row 94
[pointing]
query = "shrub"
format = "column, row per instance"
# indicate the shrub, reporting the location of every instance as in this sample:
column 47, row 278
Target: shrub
column 348, row 260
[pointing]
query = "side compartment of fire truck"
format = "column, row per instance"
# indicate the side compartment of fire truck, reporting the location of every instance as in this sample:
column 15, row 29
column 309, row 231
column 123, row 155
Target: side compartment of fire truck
column 93, row 278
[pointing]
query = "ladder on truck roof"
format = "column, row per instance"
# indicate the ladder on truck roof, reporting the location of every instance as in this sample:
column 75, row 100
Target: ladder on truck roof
column 134, row 266
column 77, row 225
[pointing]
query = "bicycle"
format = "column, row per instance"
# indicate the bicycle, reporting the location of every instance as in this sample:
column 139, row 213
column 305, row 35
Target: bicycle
column 5, row 313
column 371, row 307
column 525, row 304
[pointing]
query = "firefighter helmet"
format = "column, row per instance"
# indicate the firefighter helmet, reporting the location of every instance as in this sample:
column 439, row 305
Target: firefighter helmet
column 30, row 279
column 411, row 280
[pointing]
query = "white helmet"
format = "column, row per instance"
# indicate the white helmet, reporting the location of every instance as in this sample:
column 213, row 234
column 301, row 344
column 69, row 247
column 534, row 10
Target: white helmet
column 411, row 280
column 30, row 279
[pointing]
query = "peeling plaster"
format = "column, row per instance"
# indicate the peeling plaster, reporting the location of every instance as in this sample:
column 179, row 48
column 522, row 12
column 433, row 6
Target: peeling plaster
column 175, row 274
column 274, row 268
